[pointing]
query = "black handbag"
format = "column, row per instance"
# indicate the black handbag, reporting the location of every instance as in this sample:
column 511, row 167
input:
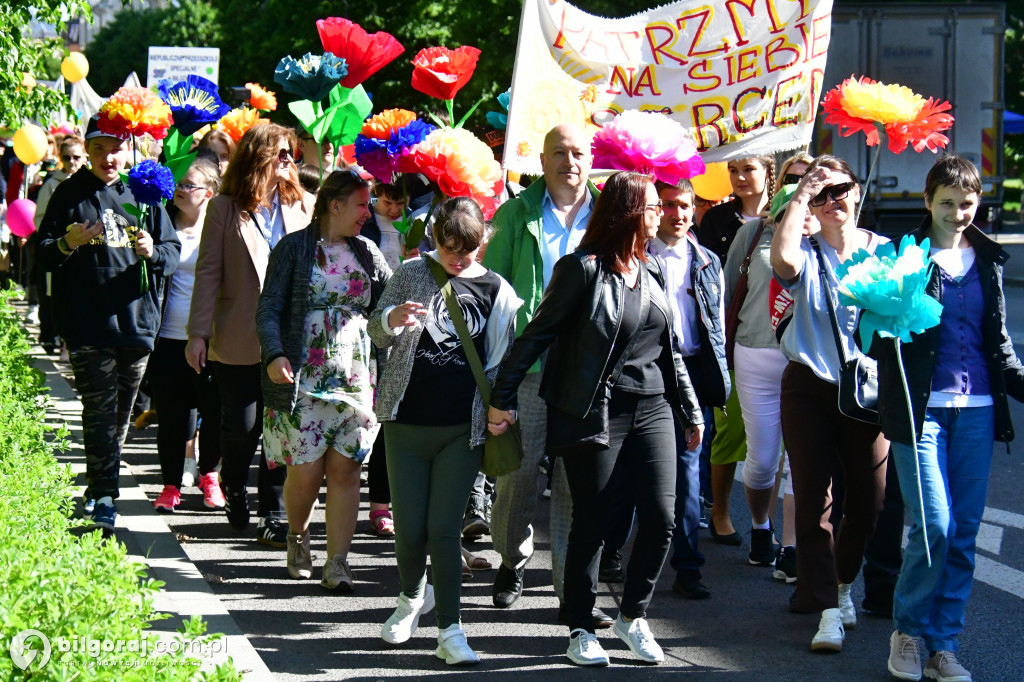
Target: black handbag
column 503, row 453
column 569, row 434
column 858, row 377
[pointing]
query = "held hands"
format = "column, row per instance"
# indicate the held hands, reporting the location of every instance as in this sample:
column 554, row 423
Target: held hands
column 280, row 371
column 406, row 315
column 498, row 421
column 195, row 353
column 80, row 234
column 694, row 434
column 144, row 244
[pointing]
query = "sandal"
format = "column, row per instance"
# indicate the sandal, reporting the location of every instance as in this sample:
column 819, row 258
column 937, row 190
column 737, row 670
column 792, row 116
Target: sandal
column 475, row 562
column 383, row 524
column 467, row 572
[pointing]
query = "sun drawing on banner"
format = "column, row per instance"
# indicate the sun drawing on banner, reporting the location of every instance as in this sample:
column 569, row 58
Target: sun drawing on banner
column 550, row 103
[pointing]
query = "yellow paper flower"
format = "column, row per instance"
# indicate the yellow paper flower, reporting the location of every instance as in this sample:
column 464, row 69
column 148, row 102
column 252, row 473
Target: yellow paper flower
column 135, row 111
column 237, row 121
column 906, row 117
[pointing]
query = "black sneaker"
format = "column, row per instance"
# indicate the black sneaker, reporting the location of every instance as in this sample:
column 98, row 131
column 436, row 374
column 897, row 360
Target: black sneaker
column 272, row 532
column 610, row 570
column 508, row 586
column 785, row 565
column 475, row 525
column 762, row 549
column 236, row 507
column 690, row 586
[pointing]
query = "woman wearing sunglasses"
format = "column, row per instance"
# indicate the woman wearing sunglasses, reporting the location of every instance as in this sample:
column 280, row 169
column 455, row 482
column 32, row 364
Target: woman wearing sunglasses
column 177, row 392
column 260, row 201
column 818, row 437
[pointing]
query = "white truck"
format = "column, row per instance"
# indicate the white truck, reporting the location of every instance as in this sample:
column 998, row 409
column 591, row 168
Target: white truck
column 947, row 51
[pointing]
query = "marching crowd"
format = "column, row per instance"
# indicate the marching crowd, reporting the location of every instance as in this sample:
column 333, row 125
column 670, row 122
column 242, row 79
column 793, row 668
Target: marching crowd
column 644, row 340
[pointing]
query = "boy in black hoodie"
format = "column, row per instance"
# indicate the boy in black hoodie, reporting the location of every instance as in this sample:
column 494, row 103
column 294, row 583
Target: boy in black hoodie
column 94, row 248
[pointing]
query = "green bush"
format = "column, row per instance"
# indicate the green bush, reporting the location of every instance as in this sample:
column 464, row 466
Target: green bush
column 58, row 579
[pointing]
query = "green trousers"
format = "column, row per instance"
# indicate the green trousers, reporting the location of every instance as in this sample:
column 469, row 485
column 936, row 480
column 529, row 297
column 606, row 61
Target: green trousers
column 431, row 470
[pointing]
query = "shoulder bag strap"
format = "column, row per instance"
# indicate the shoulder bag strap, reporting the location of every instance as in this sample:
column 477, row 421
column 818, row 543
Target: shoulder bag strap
column 745, row 266
column 451, row 301
column 826, row 291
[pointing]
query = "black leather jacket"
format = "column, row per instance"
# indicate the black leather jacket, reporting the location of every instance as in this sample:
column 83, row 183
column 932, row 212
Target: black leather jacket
column 579, row 317
column 1006, row 375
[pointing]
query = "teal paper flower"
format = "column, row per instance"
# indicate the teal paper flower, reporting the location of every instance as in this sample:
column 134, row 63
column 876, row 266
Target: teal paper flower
column 311, row 77
column 889, row 288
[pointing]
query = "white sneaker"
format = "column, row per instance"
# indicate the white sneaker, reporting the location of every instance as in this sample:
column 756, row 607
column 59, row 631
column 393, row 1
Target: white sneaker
column 847, row 610
column 830, row 634
column 584, row 649
column 406, row 618
column 191, row 473
column 637, row 636
column 452, row 647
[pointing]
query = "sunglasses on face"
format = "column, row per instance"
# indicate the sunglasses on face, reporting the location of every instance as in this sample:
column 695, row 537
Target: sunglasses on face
column 284, row 155
column 837, row 192
column 791, row 179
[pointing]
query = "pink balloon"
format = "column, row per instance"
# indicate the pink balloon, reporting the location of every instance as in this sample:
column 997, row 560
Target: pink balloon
column 19, row 217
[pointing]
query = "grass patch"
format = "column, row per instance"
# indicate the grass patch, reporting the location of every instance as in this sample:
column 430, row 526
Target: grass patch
column 78, row 590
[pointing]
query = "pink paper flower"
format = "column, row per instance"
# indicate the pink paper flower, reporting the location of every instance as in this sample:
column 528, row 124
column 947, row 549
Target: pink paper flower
column 647, row 142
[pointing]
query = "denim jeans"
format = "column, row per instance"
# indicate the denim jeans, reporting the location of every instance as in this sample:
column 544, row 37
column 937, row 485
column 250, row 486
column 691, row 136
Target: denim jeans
column 955, row 453
column 686, row 557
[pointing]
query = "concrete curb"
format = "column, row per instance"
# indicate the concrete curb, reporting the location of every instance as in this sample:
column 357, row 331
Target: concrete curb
column 150, row 541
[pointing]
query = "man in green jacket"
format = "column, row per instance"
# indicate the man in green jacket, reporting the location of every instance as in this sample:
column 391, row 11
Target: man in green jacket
column 545, row 222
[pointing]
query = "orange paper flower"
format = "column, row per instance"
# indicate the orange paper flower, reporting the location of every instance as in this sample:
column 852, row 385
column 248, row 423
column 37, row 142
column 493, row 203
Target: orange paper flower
column 383, row 125
column 864, row 105
column 441, row 73
column 260, row 98
column 459, row 163
column 135, row 111
column 237, row 121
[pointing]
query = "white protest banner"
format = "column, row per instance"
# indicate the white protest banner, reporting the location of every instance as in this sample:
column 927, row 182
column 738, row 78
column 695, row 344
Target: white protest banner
column 744, row 76
column 178, row 63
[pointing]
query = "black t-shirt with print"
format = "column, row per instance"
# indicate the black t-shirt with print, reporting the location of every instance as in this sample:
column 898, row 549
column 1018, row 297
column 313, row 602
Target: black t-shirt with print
column 441, row 385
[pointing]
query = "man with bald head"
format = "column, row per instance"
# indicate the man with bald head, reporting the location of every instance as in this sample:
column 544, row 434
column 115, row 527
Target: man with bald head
column 545, row 222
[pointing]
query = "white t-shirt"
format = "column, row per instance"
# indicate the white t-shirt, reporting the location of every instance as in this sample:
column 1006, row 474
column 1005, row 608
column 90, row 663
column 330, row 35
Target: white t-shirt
column 179, row 293
column 390, row 241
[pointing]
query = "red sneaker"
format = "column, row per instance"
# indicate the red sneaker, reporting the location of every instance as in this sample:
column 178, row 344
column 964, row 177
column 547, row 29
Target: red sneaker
column 168, row 500
column 213, row 496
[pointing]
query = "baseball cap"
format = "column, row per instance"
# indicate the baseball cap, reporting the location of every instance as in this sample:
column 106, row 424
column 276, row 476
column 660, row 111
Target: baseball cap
column 781, row 200
column 93, row 130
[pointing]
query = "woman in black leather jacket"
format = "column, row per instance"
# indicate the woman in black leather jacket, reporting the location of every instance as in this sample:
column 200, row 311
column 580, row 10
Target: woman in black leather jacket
column 612, row 384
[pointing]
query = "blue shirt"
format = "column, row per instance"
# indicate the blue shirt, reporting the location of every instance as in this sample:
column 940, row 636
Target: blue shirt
column 809, row 338
column 556, row 240
column 270, row 221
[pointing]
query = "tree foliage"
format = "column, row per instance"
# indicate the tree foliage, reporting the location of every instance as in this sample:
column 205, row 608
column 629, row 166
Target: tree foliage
column 21, row 53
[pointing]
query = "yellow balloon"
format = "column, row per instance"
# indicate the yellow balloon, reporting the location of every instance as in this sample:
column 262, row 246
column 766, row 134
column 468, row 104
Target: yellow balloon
column 27, row 80
column 30, row 144
column 75, row 67
column 714, row 184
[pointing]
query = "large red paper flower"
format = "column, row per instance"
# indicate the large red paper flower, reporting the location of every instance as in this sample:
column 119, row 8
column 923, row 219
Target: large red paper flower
column 458, row 162
column 863, row 105
column 440, row 72
column 135, row 111
column 365, row 53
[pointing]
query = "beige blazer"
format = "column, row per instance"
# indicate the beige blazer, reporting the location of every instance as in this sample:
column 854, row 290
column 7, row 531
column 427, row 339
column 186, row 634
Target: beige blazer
column 230, row 268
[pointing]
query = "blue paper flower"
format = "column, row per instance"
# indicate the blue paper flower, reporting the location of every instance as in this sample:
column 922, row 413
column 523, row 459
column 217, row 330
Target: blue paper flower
column 151, row 183
column 379, row 157
column 311, row 77
column 499, row 119
column 890, row 290
column 194, row 102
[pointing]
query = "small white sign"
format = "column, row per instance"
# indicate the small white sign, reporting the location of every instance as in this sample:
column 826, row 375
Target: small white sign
column 177, row 63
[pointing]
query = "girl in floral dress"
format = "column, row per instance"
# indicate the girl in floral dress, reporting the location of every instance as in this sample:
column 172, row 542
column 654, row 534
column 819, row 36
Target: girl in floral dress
column 321, row 369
